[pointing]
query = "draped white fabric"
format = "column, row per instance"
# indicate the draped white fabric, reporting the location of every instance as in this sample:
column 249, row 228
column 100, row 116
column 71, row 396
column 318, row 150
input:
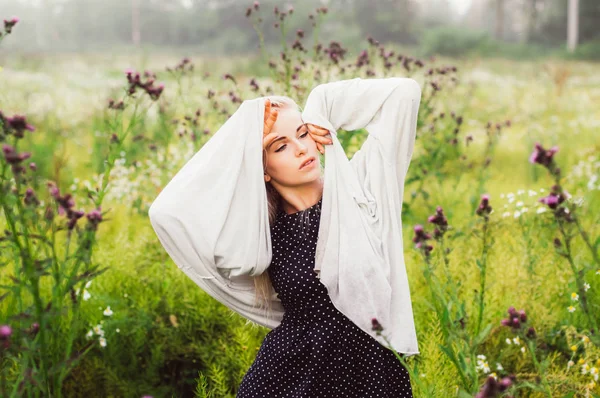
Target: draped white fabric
column 212, row 218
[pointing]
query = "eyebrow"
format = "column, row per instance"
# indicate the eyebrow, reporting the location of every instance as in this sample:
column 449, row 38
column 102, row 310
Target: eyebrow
column 283, row 137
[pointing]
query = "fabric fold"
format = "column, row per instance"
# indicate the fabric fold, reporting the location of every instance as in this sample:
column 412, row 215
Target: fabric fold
column 212, row 217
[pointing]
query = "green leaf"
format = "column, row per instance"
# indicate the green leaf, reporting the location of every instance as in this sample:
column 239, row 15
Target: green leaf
column 483, row 334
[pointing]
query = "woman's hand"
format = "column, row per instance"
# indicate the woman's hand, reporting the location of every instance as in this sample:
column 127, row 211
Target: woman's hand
column 271, row 113
column 319, row 134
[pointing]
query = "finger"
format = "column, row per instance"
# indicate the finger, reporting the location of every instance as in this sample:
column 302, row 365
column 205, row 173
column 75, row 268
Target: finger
column 267, row 109
column 318, row 130
column 322, row 140
column 320, row 148
column 267, row 139
column 270, row 121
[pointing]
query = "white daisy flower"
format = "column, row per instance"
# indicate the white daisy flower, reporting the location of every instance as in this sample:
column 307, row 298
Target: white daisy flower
column 574, row 296
column 108, row 311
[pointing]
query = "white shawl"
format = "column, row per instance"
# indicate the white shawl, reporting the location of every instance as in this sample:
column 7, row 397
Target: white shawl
column 212, row 217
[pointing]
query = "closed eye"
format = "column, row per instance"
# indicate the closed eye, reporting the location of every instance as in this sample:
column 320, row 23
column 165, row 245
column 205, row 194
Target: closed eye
column 284, row 145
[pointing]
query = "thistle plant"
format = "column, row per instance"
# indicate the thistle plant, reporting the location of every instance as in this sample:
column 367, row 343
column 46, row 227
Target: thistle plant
column 568, row 224
column 459, row 345
column 50, row 242
column 517, row 322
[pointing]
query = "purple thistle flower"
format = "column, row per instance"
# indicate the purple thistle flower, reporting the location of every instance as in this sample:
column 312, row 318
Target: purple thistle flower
column 492, row 388
column 542, row 156
column 9, row 24
column 420, row 234
column 376, row 325
column 515, row 318
column 5, row 332
column 95, row 216
column 484, row 206
column 12, row 157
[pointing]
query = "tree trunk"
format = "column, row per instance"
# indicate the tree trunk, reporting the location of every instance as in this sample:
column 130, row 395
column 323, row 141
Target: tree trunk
column 135, row 22
column 499, row 19
column 573, row 25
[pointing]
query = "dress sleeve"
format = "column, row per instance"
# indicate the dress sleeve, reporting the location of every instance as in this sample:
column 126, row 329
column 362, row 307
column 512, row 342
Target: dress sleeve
column 386, row 107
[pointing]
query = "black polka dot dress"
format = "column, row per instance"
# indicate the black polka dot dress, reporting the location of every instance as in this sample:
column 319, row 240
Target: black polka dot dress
column 316, row 351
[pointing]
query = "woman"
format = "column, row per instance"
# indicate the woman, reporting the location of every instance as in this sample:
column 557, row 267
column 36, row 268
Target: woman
column 316, row 351
column 323, row 253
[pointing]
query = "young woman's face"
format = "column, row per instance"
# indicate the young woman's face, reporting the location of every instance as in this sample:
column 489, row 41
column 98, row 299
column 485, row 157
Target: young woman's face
column 286, row 154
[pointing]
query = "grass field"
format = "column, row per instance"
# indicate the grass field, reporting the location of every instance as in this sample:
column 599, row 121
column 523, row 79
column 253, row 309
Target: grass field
column 148, row 330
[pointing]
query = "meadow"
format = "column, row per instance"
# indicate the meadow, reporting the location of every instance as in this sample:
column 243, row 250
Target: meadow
column 500, row 219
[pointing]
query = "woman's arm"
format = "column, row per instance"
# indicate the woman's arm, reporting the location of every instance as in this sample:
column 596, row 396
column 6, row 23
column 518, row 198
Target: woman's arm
column 385, row 107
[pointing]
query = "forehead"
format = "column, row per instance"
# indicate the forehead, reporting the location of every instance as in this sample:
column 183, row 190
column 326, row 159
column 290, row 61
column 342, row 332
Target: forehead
column 287, row 121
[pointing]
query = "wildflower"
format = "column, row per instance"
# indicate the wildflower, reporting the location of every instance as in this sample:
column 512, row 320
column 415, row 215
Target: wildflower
column 484, row 207
column 508, row 341
column 542, row 156
column 517, row 340
column 98, row 330
column 523, row 350
column 574, row 296
column 482, row 364
column 102, row 341
column 574, row 347
column 94, row 217
column 499, row 366
column 515, row 318
column 585, row 368
column 492, row 387
column 9, row 24
column 5, row 332
column 89, row 334
column 585, row 339
column 586, row 286
column 541, row 210
column 376, row 326
column 134, row 80
column 594, row 373
column 439, row 219
column 570, row 364
column 571, row 308
column 12, row 157
column 420, row 239
column 108, row 311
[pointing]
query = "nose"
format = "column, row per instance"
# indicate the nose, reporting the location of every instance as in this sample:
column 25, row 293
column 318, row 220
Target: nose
column 302, row 148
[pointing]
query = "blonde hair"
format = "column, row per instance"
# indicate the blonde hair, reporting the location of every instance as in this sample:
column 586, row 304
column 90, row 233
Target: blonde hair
column 262, row 283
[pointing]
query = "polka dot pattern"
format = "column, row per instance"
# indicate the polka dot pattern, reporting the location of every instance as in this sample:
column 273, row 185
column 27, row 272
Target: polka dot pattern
column 316, row 351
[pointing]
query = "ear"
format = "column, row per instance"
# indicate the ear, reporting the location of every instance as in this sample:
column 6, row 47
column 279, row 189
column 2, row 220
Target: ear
column 267, row 177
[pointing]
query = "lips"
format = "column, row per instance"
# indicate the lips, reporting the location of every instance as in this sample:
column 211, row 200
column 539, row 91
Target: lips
column 307, row 161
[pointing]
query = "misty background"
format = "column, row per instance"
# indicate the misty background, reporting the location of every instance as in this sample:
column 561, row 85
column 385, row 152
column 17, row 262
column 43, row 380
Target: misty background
column 519, row 28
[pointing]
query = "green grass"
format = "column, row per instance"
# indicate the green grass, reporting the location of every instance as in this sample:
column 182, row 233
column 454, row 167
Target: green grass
column 169, row 330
